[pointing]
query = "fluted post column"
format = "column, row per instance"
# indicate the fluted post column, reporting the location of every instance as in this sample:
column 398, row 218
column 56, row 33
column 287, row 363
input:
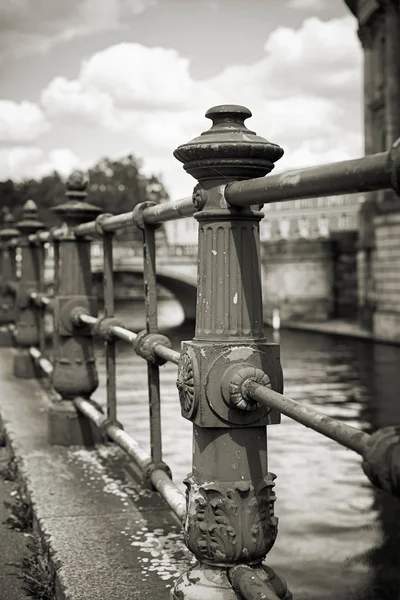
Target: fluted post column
column 8, row 276
column 75, row 372
column 26, row 331
column 230, row 518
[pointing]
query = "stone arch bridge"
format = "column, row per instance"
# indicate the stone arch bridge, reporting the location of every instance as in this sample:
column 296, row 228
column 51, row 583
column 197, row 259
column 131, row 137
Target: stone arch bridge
column 176, row 271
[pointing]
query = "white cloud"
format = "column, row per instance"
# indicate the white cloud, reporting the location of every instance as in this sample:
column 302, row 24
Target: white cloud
column 309, row 4
column 69, row 100
column 305, row 94
column 140, row 77
column 22, row 162
column 53, row 22
column 21, row 122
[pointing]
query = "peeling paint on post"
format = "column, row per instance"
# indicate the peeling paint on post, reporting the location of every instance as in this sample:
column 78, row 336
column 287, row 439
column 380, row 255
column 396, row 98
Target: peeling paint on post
column 75, row 372
column 26, row 331
column 230, row 498
column 8, row 275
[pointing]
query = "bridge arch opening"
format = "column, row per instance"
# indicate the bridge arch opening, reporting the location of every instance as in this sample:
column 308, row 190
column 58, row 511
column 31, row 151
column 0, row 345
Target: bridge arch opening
column 129, row 286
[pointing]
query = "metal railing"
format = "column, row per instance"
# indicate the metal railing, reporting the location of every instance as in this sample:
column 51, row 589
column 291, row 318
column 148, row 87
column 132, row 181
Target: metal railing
column 229, row 377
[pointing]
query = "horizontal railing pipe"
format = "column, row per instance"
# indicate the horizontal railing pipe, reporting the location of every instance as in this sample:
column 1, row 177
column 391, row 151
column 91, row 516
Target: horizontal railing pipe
column 41, row 300
column 159, row 213
column 43, row 362
column 40, row 236
column 372, row 172
column 168, row 490
column 347, row 436
column 167, row 353
column 130, row 336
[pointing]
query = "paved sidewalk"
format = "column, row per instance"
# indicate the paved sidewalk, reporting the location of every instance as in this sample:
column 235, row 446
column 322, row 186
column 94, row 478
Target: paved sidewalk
column 108, row 538
column 12, row 543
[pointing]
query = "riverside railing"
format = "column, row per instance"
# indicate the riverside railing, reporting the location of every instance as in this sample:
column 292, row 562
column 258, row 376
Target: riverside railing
column 229, row 377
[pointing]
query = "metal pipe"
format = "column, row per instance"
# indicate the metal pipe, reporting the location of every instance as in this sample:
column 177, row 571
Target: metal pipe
column 153, row 369
column 372, row 172
column 40, row 236
column 168, row 490
column 42, row 300
column 129, row 336
column 168, row 211
column 347, row 436
column 87, row 319
column 167, row 353
column 40, row 360
column 123, row 334
column 108, row 294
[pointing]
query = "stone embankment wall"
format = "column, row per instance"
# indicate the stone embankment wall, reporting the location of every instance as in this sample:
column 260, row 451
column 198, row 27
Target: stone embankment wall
column 298, row 278
column 311, row 280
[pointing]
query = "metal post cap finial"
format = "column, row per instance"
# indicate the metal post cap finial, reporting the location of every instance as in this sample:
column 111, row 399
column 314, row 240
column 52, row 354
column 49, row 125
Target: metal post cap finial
column 76, row 185
column 8, row 217
column 30, row 209
column 76, row 210
column 30, row 222
column 228, row 150
column 8, row 231
column 232, row 116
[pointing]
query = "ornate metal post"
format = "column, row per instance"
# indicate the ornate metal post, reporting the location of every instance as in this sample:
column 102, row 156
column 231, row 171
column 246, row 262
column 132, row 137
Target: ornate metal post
column 26, row 332
column 230, row 498
column 75, row 371
column 8, row 275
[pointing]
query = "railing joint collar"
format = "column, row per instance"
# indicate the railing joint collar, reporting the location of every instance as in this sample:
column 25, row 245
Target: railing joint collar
column 145, row 345
column 103, row 327
column 138, row 216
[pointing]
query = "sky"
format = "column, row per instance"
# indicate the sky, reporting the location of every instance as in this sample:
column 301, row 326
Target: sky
column 85, row 79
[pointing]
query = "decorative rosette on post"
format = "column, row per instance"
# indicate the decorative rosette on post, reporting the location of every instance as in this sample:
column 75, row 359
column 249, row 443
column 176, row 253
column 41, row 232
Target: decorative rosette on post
column 228, row 150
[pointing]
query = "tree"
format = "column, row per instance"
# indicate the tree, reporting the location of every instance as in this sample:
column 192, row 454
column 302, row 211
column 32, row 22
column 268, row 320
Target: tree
column 116, row 186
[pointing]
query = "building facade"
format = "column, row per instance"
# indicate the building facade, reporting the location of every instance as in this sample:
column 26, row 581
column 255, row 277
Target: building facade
column 379, row 248
column 311, row 218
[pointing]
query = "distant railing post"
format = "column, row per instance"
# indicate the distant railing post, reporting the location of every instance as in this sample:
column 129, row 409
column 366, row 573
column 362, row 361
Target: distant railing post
column 8, row 276
column 75, row 372
column 27, row 331
column 230, row 518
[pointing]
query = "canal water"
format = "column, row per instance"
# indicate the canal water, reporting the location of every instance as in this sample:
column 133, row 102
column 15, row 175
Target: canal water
column 338, row 539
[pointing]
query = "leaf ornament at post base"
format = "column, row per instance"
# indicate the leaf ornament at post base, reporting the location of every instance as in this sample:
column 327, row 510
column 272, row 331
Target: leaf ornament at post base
column 26, row 332
column 8, row 275
column 75, row 372
column 230, row 517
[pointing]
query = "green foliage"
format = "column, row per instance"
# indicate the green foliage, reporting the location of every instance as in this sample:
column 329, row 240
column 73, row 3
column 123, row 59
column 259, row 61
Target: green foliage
column 116, row 186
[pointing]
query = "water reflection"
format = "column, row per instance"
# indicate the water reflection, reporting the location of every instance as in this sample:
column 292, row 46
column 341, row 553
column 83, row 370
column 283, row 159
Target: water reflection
column 338, row 538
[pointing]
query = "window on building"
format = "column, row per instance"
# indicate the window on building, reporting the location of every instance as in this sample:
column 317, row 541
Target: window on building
column 323, row 226
column 304, row 227
column 343, row 221
column 284, row 228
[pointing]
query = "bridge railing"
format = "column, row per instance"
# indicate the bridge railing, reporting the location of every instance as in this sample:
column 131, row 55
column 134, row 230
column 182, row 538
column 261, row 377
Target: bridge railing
column 229, row 376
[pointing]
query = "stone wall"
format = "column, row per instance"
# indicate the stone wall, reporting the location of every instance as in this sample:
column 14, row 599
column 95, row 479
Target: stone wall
column 297, row 278
column 386, row 275
column 345, row 275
